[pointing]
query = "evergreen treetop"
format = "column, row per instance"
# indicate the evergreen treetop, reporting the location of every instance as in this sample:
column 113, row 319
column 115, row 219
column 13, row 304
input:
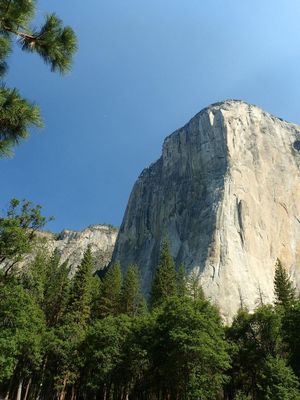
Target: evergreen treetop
column 164, row 283
column 81, row 291
column 181, row 280
column 284, row 291
column 131, row 301
column 110, row 292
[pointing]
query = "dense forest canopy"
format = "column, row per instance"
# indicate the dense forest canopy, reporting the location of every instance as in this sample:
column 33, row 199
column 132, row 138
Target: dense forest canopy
column 90, row 338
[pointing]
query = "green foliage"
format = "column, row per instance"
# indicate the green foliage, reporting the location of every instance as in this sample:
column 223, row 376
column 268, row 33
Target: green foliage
column 17, row 231
column 194, row 288
column 21, row 330
column 164, row 282
column 242, row 396
column 277, row 381
column 189, row 350
column 104, row 349
column 87, row 339
column 34, row 279
column 291, row 329
column 110, row 292
column 17, row 115
column 181, row 281
column 56, row 290
column 131, row 300
column 56, row 45
column 253, row 338
column 79, row 307
column 284, row 290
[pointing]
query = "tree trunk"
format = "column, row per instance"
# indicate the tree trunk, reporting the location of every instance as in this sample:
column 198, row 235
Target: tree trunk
column 104, row 392
column 73, row 394
column 42, row 378
column 125, row 393
column 27, row 389
column 20, row 387
column 8, row 391
column 63, row 390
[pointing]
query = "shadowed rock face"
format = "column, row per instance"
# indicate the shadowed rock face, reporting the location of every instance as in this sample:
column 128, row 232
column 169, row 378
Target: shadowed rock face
column 226, row 194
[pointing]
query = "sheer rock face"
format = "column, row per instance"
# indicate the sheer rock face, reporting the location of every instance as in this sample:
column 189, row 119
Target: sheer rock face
column 226, row 194
column 72, row 244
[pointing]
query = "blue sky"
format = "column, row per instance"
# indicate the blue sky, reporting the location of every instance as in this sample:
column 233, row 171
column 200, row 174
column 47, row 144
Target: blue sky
column 143, row 69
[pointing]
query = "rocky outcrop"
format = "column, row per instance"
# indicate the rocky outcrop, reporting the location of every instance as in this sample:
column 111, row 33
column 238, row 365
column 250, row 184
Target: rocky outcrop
column 72, row 244
column 226, row 194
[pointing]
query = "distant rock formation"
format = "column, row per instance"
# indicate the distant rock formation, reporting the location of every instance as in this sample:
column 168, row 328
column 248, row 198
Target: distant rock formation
column 72, row 244
column 226, row 194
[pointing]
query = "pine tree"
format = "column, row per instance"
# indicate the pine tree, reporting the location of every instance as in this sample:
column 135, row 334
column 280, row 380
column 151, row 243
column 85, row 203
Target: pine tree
column 252, row 338
column 181, row 280
column 56, row 290
column 277, row 381
column 33, row 277
column 21, row 334
column 81, row 291
column 290, row 328
column 284, row 290
column 195, row 290
column 56, row 45
column 188, row 350
column 164, row 282
column 109, row 301
column 131, row 298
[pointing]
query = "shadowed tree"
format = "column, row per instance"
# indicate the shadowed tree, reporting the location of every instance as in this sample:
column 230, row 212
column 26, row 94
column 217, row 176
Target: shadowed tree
column 110, row 292
column 79, row 306
column 181, row 281
column 131, row 302
column 194, row 287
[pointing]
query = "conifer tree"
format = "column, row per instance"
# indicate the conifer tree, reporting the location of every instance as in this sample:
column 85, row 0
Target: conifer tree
column 188, row 350
column 195, row 290
column 56, row 45
column 109, row 301
column 21, row 334
column 131, row 298
column 56, row 289
column 181, row 280
column 284, row 290
column 81, row 294
column 290, row 327
column 33, row 277
column 73, row 330
column 277, row 381
column 164, row 282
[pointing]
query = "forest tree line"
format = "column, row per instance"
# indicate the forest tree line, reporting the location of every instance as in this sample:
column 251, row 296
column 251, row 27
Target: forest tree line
column 89, row 338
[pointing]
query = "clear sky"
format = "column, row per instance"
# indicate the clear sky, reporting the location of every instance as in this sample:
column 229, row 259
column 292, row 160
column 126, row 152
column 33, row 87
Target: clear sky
column 143, row 69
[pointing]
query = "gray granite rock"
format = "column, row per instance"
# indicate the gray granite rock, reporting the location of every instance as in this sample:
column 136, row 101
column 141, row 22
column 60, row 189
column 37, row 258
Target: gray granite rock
column 72, row 244
column 226, row 194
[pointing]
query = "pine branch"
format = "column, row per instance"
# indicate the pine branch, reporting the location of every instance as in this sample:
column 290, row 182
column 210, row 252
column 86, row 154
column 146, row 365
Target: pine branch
column 23, row 35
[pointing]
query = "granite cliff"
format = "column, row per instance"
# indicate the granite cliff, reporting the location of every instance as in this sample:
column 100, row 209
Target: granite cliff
column 226, row 194
column 72, row 244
